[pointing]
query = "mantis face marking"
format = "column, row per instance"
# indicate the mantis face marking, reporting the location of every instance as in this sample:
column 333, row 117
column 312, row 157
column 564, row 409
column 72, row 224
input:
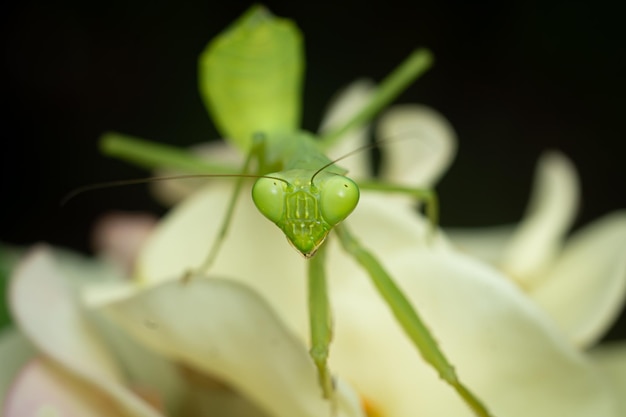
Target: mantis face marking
column 305, row 211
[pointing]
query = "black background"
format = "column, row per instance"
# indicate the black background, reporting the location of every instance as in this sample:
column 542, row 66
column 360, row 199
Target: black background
column 514, row 78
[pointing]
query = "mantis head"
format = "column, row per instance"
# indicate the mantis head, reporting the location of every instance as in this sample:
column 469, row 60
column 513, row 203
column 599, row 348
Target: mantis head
column 304, row 210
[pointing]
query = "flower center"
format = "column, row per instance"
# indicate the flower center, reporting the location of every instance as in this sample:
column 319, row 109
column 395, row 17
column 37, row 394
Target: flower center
column 370, row 409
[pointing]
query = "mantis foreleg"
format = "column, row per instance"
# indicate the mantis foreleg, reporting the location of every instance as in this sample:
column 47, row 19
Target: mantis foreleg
column 320, row 320
column 408, row 318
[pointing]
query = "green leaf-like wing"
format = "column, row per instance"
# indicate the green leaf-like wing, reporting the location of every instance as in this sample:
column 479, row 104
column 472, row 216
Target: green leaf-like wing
column 251, row 77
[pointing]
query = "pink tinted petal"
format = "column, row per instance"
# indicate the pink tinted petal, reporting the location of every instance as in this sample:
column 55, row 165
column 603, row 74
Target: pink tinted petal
column 42, row 389
column 45, row 308
column 119, row 236
column 15, row 351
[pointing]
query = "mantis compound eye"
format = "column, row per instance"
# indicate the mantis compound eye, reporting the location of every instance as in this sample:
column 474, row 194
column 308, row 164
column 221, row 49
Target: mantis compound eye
column 339, row 197
column 268, row 195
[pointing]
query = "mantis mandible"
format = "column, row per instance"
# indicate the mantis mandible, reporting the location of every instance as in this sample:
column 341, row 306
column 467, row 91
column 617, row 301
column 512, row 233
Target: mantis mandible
column 250, row 79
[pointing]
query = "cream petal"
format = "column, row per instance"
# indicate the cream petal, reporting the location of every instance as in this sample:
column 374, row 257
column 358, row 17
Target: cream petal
column 223, row 329
column 551, row 211
column 348, row 102
column 485, row 243
column 611, row 359
column 43, row 305
column 15, row 351
column 44, row 390
column 585, row 289
column 144, row 370
column 255, row 251
column 503, row 347
column 419, row 145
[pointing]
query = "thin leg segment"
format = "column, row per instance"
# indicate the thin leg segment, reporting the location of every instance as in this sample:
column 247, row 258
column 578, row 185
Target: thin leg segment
column 425, row 195
column 151, row 155
column 412, row 67
column 409, row 319
column 320, row 321
column 256, row 151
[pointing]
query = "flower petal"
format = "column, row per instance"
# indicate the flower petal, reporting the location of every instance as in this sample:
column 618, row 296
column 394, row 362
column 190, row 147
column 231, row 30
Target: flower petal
column 45, row 309
column 145, row 371
column 549, row 216
column 503, row 347
column 15, row 351
column 611, row 358
column 182, row 241
column 348, row 102
column 223, row 329
column 585, row 289
column 43, row 389
column 419, row 145
column 485, row 243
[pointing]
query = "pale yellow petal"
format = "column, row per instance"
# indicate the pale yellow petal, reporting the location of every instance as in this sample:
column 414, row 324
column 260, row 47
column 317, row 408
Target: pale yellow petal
column 346, row 104
column 485, row 243
column 255, row 251
column 45, row 308
column 551, row 211
column 585, row 289
column 144, row 370
column 502, row 346
column 418, row 145
column 225, row 330
column 611, row 358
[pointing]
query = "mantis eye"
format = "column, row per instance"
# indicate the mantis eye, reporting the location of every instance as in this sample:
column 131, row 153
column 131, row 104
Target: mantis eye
column 338, row 198
column 268, row 195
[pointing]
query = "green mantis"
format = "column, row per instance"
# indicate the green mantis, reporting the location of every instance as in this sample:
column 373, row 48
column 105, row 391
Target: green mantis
column 250, row 79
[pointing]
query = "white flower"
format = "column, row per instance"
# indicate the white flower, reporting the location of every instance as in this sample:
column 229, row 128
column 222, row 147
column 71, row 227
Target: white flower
column 578, row 280
column 246, row 326
column 491, row 330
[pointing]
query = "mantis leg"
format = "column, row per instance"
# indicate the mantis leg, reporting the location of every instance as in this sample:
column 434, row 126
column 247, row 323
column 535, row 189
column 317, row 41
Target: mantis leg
column 395, row 83
column 427, row 196
column 320, row 321
column 152, row 155
column 256, row 150
column 408, row 318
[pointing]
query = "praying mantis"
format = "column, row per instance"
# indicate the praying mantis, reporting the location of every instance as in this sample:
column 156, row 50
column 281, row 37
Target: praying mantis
column 250, row 78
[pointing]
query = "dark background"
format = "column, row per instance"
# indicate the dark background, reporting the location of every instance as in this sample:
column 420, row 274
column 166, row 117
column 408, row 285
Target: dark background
column 514, row 78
